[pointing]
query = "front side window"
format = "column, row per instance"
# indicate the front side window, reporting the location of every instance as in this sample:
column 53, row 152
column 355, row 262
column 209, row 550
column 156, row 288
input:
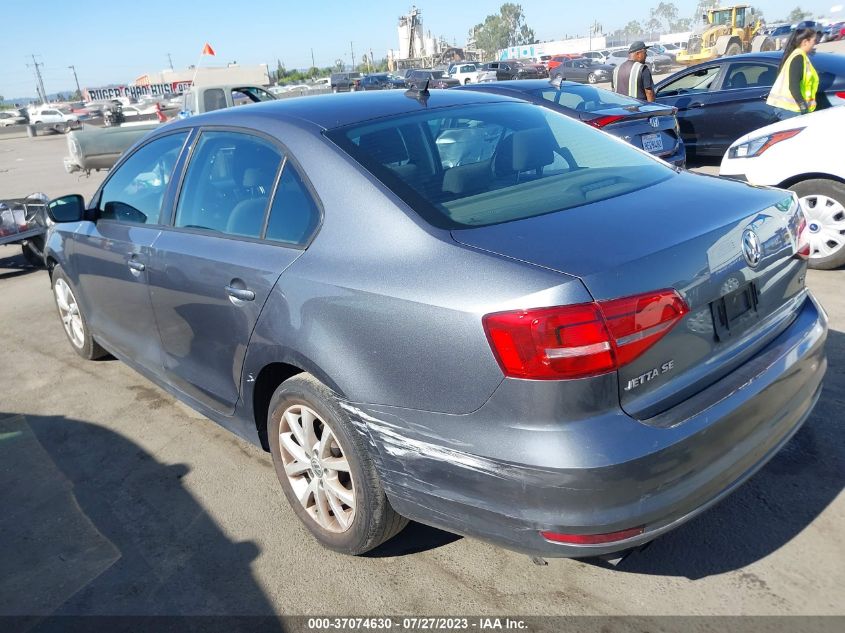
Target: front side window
column 487, row 164
column 228, row 184
column 135, row 191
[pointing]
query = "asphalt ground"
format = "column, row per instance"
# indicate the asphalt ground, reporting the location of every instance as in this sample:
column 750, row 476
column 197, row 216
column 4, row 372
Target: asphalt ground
column 116, row 499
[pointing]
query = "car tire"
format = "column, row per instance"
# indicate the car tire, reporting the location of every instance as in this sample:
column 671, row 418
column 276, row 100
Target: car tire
column 733, row 49
column 346, row 510
column 31, row 255
column 467, row 81
column 823, row 202
column 591, row 78
column 72, row 317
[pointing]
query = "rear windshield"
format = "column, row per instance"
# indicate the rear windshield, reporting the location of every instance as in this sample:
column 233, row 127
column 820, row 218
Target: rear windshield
column 487, row 164
column 585, row 98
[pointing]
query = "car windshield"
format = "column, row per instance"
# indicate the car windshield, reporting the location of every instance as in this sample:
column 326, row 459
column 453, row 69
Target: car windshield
column 487, row 164
column 585, row 98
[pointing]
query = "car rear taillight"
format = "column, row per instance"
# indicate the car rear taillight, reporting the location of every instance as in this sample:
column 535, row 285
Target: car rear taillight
column 581, row 340
column 802, row 243
column 592, row 539
column 602, row 121
column 841, row 95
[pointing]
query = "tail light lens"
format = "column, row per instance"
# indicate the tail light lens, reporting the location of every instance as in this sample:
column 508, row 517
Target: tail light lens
column 841, row 95
column 582, row 340
column 602, row 121
column 802, row 248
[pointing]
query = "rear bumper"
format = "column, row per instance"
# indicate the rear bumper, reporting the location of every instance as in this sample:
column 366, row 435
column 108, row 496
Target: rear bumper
column 507, row 471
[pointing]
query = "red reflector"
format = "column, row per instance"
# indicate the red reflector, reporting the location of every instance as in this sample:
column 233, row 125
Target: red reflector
column 606, row 120
column 581, row 340
column 592, row 539
column 841, row 95
column 802, row 248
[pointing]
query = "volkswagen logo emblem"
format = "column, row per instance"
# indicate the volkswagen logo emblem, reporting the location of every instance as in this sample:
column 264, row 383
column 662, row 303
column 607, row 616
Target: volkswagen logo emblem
column 751, row 247
column 654, row 122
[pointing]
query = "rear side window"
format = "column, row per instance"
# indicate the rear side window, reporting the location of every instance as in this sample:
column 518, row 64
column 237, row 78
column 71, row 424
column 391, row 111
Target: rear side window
column 214, row 99
column 487, row 164
column 294, row 214
column 228, row 184
column 586, row 98
column 749, row 75
column 135, row 191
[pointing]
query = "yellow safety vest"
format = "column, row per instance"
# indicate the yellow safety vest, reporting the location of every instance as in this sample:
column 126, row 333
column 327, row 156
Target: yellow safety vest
column 781, row 97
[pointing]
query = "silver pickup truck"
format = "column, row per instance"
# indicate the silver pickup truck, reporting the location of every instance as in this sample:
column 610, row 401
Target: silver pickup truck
column 95, row 148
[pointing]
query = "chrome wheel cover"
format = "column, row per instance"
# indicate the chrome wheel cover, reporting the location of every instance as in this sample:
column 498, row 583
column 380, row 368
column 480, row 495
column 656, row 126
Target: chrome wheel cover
column 69, row 313
column 317, row 469
column 825, row 225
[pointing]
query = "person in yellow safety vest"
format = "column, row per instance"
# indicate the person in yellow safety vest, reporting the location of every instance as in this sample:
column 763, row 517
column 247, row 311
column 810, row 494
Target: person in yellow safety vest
column 632, row 78
column 797, row 83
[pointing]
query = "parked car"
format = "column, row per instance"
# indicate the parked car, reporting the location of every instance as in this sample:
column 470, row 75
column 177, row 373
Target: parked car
column 432, row 78
column 378, row 81
column 805, row 155
column 557, row 60
column 464, row 72
column 624, row 345
column 511, row 69
column 647, row 126
column 780, row 35
column 834, row 32
column 656, row 62
column 721, row 100
column 345, row 82
column 597, row 57
column 582, row 70
column 8, row 118
column 541, row 69
column 54, row 118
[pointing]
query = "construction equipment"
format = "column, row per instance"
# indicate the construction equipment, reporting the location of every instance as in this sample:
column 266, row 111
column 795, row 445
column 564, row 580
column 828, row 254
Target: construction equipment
column 726, row 31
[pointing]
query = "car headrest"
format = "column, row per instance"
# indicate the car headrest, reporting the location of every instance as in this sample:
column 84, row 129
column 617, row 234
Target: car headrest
column 385, row 146
column 739, row 81
column 524, row 150
column 467, row 179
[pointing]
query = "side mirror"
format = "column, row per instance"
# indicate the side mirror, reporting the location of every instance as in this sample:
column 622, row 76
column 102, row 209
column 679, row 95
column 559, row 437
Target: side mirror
column 67, row 209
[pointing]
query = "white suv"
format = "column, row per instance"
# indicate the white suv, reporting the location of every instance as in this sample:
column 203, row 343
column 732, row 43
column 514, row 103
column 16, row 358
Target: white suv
column 55, row 118
column 465, row 72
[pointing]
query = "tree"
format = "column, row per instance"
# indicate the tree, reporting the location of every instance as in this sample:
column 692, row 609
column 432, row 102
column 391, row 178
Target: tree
column 798, row 14
column 633, row 28
column 502, row 30
column 664, row 12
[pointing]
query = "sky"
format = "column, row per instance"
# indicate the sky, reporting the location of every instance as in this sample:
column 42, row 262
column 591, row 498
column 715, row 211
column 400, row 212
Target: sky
column 114, row 43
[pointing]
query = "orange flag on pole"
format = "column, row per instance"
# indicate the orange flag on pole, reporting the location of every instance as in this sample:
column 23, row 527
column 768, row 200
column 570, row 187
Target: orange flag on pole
column 207, row 50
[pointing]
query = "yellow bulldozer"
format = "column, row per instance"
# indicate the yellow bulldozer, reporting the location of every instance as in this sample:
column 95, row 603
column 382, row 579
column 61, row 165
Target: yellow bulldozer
column 726, row 31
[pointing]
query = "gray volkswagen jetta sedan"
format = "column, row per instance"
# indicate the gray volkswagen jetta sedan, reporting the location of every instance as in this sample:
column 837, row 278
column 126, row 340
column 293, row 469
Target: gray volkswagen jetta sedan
column 456, row 308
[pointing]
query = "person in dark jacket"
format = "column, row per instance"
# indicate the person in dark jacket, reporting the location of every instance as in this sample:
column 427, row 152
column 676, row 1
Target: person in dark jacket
column 632, row 77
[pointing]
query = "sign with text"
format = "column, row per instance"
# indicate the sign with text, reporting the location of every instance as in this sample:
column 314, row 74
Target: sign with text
column 116, row 92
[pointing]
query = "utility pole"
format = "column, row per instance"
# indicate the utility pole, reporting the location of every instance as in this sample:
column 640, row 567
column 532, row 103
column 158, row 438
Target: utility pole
column 76, row 79
column 313, row 64
column 353, row 56
column 42, row 94
column 170, row 61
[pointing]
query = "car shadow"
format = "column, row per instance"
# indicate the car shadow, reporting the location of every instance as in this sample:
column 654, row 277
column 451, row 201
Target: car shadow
column 16, row 265
column 92, row 524
column 414, row 539
column 773, row 507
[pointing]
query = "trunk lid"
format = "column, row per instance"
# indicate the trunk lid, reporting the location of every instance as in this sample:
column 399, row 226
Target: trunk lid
column 652, row 128
column 684, row 233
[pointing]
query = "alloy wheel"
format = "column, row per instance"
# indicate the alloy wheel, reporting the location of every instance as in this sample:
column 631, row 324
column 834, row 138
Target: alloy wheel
column 69, row 313
column 825, row 225
column 317, row 468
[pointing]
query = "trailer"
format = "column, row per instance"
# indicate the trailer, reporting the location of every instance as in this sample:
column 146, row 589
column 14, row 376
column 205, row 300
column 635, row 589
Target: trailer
column 24, row 221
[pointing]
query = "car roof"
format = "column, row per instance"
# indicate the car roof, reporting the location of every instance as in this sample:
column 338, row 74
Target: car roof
column 515, row 85
column 338, row 110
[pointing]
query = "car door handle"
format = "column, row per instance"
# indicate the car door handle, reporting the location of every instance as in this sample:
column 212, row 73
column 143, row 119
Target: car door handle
column 136, row 265
column 241, row 294
column 765, row 96
column 696, row 104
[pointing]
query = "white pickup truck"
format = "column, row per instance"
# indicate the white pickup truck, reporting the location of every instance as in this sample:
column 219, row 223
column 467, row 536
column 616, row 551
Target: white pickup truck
column 95, row 148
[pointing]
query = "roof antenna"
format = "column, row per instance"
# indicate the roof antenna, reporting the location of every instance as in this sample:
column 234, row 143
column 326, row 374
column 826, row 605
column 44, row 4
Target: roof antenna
column 419, row 95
